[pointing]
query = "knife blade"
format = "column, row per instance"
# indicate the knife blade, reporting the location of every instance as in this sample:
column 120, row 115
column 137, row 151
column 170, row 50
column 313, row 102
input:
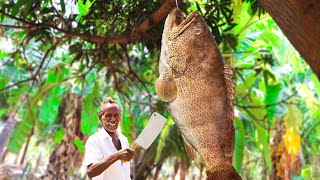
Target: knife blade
column 150, row 132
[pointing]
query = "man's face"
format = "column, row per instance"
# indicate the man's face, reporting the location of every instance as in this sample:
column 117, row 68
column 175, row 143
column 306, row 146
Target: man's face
column 110, row 117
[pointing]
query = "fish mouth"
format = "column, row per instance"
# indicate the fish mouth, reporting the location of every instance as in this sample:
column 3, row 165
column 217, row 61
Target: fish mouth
column 178, row 23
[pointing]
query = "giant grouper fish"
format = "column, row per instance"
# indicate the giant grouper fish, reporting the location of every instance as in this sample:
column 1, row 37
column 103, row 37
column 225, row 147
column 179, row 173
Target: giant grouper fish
column 193, row 80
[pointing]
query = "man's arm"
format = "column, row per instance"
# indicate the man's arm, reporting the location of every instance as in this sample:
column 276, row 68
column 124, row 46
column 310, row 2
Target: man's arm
column 97, row 168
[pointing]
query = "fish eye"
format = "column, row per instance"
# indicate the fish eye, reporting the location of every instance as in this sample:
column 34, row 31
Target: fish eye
column 198, row 29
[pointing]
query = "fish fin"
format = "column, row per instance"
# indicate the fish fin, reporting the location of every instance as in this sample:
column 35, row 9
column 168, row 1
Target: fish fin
column 166, row 88
column 230, row 132
column 227, row 173
column 191, row 151
column 228, row 76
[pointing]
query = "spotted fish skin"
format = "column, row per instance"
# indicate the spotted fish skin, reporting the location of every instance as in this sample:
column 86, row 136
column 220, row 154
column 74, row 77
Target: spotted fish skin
column 192, row 80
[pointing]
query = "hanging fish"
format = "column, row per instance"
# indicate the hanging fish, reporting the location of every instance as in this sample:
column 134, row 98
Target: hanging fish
column 198, row 88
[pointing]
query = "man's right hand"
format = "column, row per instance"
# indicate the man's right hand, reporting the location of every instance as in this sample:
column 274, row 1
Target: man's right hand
column 125, row 154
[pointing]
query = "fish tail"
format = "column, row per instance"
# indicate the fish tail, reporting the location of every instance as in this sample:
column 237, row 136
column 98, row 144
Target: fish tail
column 228, row 173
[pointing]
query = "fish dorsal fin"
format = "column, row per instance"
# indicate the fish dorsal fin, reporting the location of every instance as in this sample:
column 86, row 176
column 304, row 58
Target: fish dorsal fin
column 229, row 133
column 191, row 151
column 228, row 76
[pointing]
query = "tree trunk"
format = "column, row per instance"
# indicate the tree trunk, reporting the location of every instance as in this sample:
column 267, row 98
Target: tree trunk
column 66, row 159
column 4, row 155
column 201, row 170
column 184, row 167
column 156, row 174
column 6, row 132
column 275, row 155
column 175, row 169
column 26, row 146
column 300, row 22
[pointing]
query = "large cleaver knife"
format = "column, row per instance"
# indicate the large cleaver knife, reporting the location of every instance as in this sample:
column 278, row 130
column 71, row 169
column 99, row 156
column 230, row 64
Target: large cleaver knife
column 150, row 132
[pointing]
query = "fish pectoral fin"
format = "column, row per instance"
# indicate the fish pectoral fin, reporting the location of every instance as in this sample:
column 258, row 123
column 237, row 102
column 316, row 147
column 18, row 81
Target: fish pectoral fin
column 178, row 65
column 166, row 88
column 191, row 151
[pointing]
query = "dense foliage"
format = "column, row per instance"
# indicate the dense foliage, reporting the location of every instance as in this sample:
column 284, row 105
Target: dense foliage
column 93, row 49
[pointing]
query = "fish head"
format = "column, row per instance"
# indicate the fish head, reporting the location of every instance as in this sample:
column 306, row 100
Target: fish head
column 186, row 43
column 177, row 26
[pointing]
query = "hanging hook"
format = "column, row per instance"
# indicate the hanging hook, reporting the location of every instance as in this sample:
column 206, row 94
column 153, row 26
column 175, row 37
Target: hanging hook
column 177, row 4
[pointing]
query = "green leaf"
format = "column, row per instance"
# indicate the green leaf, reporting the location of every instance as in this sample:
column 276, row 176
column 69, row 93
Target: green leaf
column 42, row 90
column 89, row 117
column 293, row 117
column 59, row 135
column 10, row 72
column 30, row 112
column 79, row 145
column 17, row 6
column 127, row 124
column 27, row 7
column 89, row 83
column 49, row 108
column 2, row 111
column 22, row 129
column 15, row 94
column 84, row 8
column 3, row 82
column 306, row 172
column 272, row 96
column 294, row 177
column 263, row 140
column 242, row 64
column 268, row 76
column 3, row 54
column 316, row 83
column 163, row 135
column 63, row 6
column 242, row 89
column 239, row 144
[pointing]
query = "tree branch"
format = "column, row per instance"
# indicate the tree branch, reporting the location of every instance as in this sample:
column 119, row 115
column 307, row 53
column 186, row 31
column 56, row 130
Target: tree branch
column 256, row 119
column 267, row 105
column 135, row 75
column 33, row 77
column 309, row 130
column 45, row 56
column 17, row 83
column 15, row 27
column 157, row 16
column 13, row 17
column 154, row 19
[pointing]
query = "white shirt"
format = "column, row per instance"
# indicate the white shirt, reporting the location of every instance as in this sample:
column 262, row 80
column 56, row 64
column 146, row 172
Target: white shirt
column 98, row 146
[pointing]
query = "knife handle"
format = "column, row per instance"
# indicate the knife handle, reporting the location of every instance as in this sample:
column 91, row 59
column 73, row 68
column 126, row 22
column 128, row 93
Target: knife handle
column 134, row 146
